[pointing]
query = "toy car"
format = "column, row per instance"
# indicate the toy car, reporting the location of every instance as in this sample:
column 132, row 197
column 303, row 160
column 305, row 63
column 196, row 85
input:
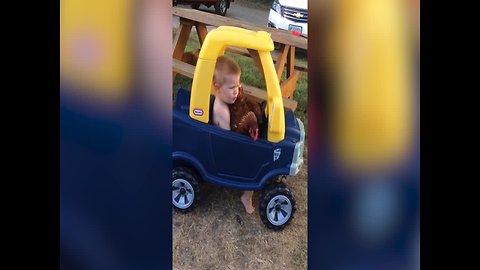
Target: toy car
column 204, row 152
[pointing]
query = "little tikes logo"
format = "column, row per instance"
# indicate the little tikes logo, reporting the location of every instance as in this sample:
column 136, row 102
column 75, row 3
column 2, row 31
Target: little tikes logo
column 197, row 112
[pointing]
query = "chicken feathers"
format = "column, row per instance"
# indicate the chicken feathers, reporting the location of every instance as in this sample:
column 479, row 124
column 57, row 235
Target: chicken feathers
column 244, row 115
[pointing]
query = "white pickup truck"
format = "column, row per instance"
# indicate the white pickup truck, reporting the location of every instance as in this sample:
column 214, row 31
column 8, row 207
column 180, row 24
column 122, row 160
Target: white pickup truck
column 290, row 15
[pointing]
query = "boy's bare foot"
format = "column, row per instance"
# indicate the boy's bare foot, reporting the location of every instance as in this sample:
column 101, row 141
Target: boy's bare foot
column 247, row 201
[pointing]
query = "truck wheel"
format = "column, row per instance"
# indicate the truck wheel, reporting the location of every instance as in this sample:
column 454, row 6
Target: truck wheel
column 275, row 182
column 195, row 6
column 221, row 7
column 185, row 189
column 277, row 207
column 174, row 2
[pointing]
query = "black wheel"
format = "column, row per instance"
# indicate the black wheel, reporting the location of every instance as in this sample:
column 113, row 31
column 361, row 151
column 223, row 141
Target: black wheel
column 221, row 7
column 195, row 6
column 273, row 183
column 277, row 207
column 185, row 189
column 174, row 2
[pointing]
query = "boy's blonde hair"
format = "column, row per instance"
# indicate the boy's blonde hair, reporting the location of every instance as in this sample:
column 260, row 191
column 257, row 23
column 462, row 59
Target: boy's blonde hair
column 225, row 66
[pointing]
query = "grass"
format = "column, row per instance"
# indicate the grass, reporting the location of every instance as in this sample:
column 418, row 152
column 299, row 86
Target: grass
column 218, row 234
column 252, row 76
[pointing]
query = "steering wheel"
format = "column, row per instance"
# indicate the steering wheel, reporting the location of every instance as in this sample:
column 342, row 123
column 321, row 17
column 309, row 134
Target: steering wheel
column 263, row 105
column 263, row 128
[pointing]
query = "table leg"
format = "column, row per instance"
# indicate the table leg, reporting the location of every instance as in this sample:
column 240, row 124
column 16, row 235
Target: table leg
column 256, row 59
column 290, row 61
column 180, row 42
column 280, row 65
column 289, row 85
column 201, row 32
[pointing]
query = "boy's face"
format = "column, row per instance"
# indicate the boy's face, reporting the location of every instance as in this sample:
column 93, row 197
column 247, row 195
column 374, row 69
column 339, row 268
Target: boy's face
column 228, row 91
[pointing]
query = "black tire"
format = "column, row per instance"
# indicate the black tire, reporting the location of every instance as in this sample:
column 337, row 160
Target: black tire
column 275, row 182
column 278, row 203
column 221, row 7
column 185, row 189
column 174, row 2
column 195, row 6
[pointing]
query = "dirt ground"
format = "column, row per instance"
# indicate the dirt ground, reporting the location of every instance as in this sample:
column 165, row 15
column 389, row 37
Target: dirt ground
column 219, row 234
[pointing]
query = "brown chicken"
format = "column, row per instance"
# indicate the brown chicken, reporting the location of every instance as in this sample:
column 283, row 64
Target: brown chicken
column 244, row 115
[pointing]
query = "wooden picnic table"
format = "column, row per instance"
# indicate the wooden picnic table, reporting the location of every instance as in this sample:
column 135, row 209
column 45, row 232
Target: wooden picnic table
column 184, row 62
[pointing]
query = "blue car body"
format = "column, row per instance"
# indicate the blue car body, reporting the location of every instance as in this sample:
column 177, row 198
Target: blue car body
column 231, row 159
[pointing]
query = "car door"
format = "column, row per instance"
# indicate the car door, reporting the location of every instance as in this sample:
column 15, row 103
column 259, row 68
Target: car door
column 237, row 156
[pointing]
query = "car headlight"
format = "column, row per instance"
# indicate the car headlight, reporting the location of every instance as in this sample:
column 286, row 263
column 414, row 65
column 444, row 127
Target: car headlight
column 277, row 7
column 297, row 159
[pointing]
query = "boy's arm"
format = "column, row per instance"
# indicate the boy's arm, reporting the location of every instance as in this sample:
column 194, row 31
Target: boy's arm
column 222, row 122
column 221, row 116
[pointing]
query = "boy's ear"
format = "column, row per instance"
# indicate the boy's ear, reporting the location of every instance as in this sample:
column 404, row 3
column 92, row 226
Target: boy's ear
column 216, row 86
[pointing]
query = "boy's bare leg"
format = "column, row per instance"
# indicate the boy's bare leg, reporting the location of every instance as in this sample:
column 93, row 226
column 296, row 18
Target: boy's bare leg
column 247, row 201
